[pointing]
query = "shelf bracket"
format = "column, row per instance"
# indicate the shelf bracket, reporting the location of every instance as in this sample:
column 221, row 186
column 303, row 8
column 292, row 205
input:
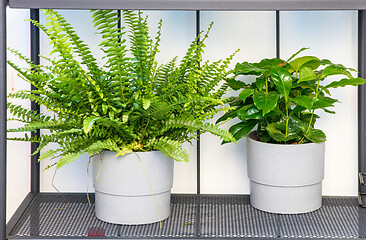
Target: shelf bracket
column 3, row 94
column 362, row 106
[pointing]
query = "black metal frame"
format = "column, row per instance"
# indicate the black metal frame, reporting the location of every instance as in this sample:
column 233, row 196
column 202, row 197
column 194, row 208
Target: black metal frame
column 215, row 5
column 362, row 104
column 3, row 4
column 198, row 30
column 282, row 5
column 34, row 40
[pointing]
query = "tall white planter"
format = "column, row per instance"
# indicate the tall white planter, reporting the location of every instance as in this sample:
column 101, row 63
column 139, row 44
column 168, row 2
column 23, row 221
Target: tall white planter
column 285, row 179
column 126, row 187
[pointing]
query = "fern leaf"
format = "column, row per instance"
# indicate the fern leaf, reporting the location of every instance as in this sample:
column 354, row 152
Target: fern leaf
column 191, row 124
column 67, row 159
column 98, row 146
column 48, row 154
column 171, row 148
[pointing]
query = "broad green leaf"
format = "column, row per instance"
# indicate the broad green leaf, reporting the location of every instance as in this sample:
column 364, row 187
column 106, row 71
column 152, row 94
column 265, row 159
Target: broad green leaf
column 228, row 115
column 306, row 74
column 325, row 62
column 345, row 82
column 246, row 68
column 329, row 111
column 269, row 63
column 265, row 101
column 306, row 61
column 304, row 101
column 253, row 113
column 312, row 64
column 260, row 82
column 297, row 53
column 242, row 113
column 293, row 128
column 242, row 129
column 275, row 133
column 245, row 93
column 336, row 70
column 316, row 135
column 235, row 84
column 88, row 123
column 323, row 102
column 283, row 81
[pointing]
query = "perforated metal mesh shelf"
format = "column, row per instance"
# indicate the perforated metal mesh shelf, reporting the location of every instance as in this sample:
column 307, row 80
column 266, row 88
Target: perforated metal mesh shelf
column 192, row 216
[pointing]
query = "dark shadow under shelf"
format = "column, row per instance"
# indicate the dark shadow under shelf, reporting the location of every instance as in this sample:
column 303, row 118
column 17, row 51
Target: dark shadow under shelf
column 192, row 216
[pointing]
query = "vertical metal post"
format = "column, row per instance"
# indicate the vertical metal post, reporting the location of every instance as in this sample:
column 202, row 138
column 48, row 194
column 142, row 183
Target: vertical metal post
column 278, row 34
column 362, row 104
column 3, row 4
column 198, row 30
column 119, row 24
column 34, row 41
column 198, row 203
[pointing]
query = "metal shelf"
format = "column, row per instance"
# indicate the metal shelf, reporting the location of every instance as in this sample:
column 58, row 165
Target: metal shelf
column 192, row 216
column 193, row 4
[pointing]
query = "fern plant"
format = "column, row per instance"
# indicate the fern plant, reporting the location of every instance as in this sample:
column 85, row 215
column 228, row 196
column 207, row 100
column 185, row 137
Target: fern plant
column 128, row 104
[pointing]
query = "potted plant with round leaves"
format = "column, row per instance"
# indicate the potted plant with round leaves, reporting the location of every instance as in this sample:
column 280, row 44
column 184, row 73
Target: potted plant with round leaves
column 130, row 113
column 285, row 153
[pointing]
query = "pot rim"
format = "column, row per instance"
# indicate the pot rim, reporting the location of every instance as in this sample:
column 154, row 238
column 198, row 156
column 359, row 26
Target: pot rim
column 252, row 135
column 137, row 152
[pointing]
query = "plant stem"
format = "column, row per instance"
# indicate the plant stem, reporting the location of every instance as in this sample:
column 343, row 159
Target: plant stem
column 312, row 112
column 308, row 129
column 287, row 120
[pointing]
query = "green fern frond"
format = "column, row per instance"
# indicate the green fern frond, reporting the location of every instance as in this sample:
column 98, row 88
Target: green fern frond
column 192, row 124
column 171, row 148
column 26, row 115
column 124, row 151
column 118, row 127
column 101, row 145
column 48, row 154
column 49, row 166
column 26, row 138
column 67, row 159
column 80, row 47
column 52, row 124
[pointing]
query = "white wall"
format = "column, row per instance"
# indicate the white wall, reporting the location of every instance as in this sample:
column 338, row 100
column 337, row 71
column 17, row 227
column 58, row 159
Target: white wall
column 331, row 35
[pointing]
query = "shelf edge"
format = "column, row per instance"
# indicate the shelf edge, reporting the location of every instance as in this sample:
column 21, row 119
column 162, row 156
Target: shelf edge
column 19, row 212
column 265, row 5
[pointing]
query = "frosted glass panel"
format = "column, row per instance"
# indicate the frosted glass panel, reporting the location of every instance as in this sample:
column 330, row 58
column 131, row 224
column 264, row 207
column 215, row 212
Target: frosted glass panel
column 18, row 160
column 223, row 168
column 331, row 35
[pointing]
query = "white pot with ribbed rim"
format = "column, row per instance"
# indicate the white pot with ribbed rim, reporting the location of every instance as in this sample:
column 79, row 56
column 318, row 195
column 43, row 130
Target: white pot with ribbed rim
column 132, row 189
column 285, row 179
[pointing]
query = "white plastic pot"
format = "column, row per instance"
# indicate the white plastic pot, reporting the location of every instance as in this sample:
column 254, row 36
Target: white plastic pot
column 285, row 179
column 132, row 189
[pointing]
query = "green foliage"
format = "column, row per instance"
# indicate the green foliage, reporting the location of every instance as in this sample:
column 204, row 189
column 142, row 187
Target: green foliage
column 283, row 99
column 128, row 104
